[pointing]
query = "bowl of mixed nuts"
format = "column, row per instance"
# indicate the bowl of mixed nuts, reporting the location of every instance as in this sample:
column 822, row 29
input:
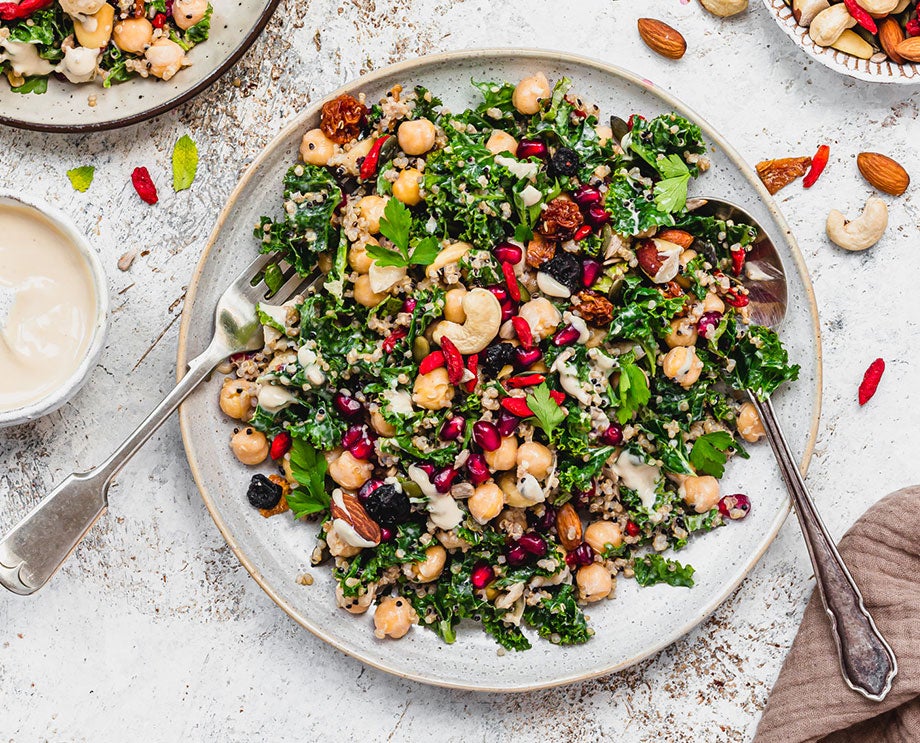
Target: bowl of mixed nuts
column 874, row 40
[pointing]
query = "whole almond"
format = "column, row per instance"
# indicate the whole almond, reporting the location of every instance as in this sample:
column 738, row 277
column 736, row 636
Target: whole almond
column 661, row 38
column 890, row 34
column 568, row 527
column 348, row 508
column 883, row 173
column 678, row 237
column 909, row 49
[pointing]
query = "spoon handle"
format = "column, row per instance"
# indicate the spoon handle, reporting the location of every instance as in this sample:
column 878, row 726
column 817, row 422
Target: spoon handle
column 866, row 660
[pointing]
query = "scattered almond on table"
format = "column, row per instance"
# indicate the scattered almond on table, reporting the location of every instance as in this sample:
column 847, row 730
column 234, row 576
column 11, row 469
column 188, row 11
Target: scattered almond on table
column 662, row 38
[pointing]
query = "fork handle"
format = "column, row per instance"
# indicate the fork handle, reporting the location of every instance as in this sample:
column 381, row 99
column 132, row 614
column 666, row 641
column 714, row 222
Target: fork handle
column 867, row 661
column 33, row 550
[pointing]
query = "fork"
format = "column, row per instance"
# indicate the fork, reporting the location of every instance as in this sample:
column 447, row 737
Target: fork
column 33, row 550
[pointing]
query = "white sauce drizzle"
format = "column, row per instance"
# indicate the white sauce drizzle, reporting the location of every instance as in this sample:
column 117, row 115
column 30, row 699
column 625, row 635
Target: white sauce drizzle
column 24, row 59
column 637, row 475
column 442, row 508
column 274, row 399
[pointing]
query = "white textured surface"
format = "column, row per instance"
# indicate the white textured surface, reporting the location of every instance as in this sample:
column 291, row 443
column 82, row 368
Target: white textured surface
column 153, row 626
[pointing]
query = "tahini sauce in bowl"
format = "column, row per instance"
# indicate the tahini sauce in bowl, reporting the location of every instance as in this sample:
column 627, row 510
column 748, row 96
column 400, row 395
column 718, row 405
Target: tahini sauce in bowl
column 52, row 310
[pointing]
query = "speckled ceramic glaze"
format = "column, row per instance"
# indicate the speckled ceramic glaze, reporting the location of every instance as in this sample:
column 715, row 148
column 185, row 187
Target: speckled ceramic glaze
column 65, row 107
column 847, row 64
column 638, row 621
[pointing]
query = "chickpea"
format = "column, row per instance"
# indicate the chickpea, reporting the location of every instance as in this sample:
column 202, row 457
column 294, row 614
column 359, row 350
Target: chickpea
column 338, row 547
column 594, row 582
column 350, row 472
column 513, row 496
column 189, row 12
column 380, row 425
column 393, row 618
column 371, row 210
column 133, row 35
column 682, row 365
column 249, row 446
column 541, row 316
column 366, row 296
column 535, row 458
column 406, row 187
column 236, row 398
column 433, row 391
column 683, row 333
column 357, row 605
column 316, row 148
column 604, row 134
column 682, row 278
column 529, row 92
column 486, row 502
column 289, row 472
column 505, row 456
column 603, row 535
column 453, row 305
column 713, row 303
column 165, row 58
column 416, row 137
column 431, row 567
column 500, row 141
column 700, row 492
column 749, row 424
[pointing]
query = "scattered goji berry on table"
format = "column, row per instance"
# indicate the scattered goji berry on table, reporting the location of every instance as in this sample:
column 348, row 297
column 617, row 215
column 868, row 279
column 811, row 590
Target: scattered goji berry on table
column 818, row 163
column 143, row 184
column 870, row 381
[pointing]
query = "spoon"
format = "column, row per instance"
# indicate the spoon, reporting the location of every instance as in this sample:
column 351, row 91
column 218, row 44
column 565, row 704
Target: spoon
column 866, row 660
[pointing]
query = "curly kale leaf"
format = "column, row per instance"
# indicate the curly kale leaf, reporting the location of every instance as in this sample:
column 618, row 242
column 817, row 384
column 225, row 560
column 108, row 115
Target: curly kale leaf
column 653, row 568
column 576, row 474
column 761, row 362
column 496, row 99
column 369, row 565
column 558, row 618
column 645, row 316
column 666, row 135
column 632, row 205
column 715, row 237
column 45, row 28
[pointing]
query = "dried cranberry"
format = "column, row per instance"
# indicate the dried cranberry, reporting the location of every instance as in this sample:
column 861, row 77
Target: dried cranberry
column 263, row 493
column 388, row 506
column 565, row 268
column 564, row 162
column 735, row 506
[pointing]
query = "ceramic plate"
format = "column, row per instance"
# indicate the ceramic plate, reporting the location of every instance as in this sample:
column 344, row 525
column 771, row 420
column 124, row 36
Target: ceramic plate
column 65, row 107
column 639, row 621
column 847, row 64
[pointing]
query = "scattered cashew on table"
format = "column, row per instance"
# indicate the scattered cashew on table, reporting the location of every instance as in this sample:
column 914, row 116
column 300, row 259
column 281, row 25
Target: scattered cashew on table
column 862, row 232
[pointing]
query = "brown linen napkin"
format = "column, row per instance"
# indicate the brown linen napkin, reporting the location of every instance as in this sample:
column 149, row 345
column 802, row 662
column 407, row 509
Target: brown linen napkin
column 810, row 701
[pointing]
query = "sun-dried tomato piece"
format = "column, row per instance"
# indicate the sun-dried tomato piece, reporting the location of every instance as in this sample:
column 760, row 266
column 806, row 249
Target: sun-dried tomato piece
column 539, row 251
column 595, row 308
column 560, row 219
column 341, row 118
column 777, row 174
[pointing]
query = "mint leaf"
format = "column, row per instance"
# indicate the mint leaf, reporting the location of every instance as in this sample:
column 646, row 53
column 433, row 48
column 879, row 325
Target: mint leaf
column 425, row 252
column 395, row 224
column 81, row 178
column 652, row 569
column 633, row 391
column 545, row 409
column 184, row 163
column 309, row 469
column 708, row 453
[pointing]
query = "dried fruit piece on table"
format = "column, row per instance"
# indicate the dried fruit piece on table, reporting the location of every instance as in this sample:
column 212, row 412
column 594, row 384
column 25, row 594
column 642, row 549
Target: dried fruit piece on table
column 890, row 34
column 661, row 38
column 909, row 49
column 779, row 173
column 341, row 118
column 883, row 173
column 818, row 164
column 539, row 251
column 143, row 184
column 870, row 381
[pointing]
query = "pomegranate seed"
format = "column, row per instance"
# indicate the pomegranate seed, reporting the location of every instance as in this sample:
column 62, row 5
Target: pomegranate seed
column 586, row 196
column 280, row 446
column 508, row 310
column 525, row 380
column 477, row 468
column 517, row 555
column 708, row 323
column 531, row 148
column 409, row 304
column 508, row 253
column 444, row 479
column 453, row 359
column 385, row 534
column 500, row 292
column 485, row 433
column 548, row 520
column 347, row 406
column 428, row 469
column 613, row 436
column 583, row 554
column 533, row 543
column 432, row 361
column 362, row 448
column 523, row 332
column 524, row 359
column 482, row 575
column 582, row 232
column 590, row 270
column 353, row 435
column 453, row 428
column 393, row 338
column 159, row 20
column 507, row 424
column 597, row 216
column 632, row 528
column 367, row 488
column 566, row 337
column 514, row 289
column 735, row 506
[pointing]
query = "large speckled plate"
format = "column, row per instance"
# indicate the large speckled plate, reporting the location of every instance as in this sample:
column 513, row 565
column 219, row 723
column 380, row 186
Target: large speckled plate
column 235, row 25
column 862, row 69
column 638, row 622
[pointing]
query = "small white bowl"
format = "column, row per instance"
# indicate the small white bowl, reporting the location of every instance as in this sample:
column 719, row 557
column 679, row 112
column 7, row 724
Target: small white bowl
column 75, row 381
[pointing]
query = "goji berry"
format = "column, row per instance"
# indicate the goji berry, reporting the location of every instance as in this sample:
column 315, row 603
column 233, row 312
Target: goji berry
column 738, row 258
column 818, row 164
column 525, row 380
column 870, row 381
column 432, row 361
column 392, row 339
column 143, row 184
column 453, row 359
column 472, row 366
column 514, row 290
column 517, row 406
column 736, row 298
column 523, row 332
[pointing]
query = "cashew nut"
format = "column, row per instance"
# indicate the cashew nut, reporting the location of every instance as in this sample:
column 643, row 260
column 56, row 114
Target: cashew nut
column 877, row 7
column 483, row 320
column 724, row 8
column 827, row 26
column 805, row 11
column 384, row 278
column 450, row 254
column 862, row 232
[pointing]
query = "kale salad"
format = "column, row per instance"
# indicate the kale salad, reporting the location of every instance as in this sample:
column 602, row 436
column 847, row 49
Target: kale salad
column 83, row 41
column 518, row 375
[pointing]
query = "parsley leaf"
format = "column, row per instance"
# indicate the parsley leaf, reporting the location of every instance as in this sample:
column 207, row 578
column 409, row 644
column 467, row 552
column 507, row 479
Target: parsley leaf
column 309, row 469
column 708, row 453
column 395, row 225
column 545, row 409
column 671, row 191
column 425, row 251
column 652, row 569
column 184, row 163
column 633, row 390
column 81, row 178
